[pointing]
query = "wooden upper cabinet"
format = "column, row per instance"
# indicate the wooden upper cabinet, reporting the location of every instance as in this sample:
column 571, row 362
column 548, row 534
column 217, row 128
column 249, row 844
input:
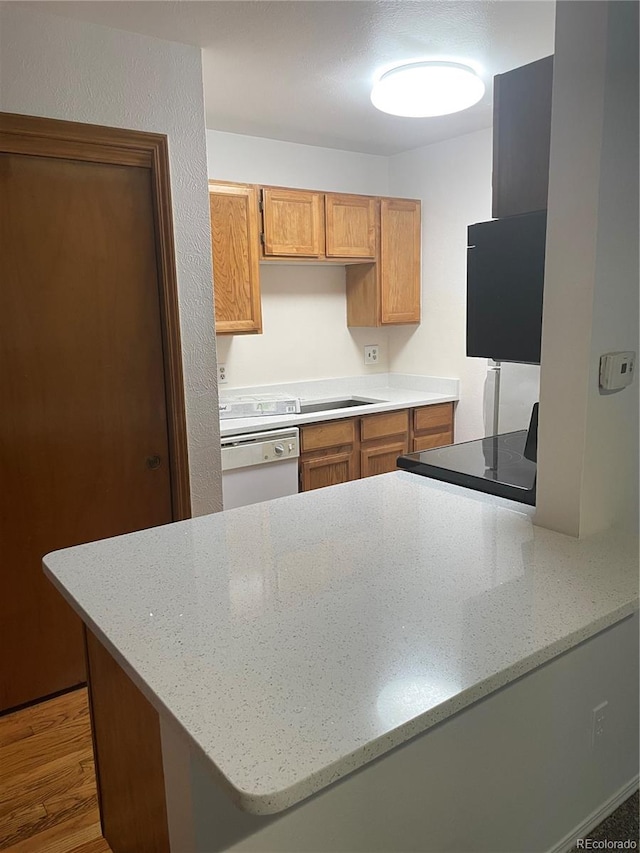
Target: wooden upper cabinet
column 388, row 292
column 235, row 245
column 293, row 223
column 521, row 138
column 400, row 261
column 350, row 226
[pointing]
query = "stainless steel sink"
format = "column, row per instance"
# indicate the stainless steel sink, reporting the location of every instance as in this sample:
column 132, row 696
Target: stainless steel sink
column 327, row 406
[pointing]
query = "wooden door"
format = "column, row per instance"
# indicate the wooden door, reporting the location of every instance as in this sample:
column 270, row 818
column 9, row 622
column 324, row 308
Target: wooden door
column 84, row 448
column 350, row 226
column 400, row 260
column 293, row 223
column 235, row 246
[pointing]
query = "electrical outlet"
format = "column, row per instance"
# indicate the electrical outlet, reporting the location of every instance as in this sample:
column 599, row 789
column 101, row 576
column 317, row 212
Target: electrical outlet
column 222, row 374
column 372, row 354
column 598, row 721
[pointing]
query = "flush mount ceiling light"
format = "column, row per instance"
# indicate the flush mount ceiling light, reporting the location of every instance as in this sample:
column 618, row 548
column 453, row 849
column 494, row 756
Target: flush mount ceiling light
column 430, row 88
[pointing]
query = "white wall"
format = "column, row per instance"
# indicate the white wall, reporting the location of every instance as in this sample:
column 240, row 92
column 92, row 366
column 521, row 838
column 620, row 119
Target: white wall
column 305, row 334
column 64, row 69
column 453, row 180
column 304, row 307
column 588, row 442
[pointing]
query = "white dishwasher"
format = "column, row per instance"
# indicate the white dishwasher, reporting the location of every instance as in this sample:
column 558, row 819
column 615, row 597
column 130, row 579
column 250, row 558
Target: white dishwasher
column 259, row 466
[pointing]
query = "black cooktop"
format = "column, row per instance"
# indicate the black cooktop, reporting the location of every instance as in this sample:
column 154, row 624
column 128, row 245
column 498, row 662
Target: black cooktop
column 496, row 465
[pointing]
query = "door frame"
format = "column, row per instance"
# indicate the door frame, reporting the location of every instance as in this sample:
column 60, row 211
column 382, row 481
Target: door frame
column 45, row 137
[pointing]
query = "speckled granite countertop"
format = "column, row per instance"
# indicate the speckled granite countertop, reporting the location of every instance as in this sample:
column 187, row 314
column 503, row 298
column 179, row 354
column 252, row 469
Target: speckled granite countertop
column 296, row 640
column 389, row 391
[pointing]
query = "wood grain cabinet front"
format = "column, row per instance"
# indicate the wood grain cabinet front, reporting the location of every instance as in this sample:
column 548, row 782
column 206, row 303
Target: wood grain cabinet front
column 388, row 292
column 235, row 248
column 432, row 426
column 328, row 454
column 350, row 226
column 330, row 469
column 378, row 239
column 293, row 223
column 383, row 438
column 311, row 225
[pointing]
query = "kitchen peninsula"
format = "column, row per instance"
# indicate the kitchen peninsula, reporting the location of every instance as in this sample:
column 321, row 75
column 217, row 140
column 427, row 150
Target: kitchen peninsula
column 282, row 647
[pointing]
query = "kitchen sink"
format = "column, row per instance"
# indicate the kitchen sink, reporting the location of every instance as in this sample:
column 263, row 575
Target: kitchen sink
column 329, row 405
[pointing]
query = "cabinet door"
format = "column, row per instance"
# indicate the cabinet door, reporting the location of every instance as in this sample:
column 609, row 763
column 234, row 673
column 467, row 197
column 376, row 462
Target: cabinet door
column 319, row 471
column 235, row 245
column 350, row 226
column 400, row 261
column 521, row 138
column 382, row 458
column 293, row 223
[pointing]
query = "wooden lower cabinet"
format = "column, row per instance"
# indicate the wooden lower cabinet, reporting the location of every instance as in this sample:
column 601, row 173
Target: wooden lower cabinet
column 382, row 458
column 431, row 426
column 128, row 757
column 383, row 437
column 338, row 451
column 328, row 454
column 327, row 470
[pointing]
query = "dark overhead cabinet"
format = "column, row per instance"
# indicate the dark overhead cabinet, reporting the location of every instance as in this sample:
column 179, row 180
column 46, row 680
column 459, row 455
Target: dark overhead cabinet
column 505, row 278
column 521, row 138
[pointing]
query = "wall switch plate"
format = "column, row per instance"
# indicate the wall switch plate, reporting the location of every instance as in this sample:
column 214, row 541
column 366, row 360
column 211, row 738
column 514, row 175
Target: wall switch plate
column 222, row 374
column 616, row 370
column 372, row 354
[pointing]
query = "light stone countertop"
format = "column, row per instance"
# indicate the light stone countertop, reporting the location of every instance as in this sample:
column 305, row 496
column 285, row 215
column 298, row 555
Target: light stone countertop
column 391, row 391
column 294, row 641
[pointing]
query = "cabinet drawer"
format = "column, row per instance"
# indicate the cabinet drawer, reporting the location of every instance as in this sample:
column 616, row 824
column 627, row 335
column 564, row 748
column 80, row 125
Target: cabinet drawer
column 384, row 424
column 438, row 418
column 329, row 434
column 434, row 439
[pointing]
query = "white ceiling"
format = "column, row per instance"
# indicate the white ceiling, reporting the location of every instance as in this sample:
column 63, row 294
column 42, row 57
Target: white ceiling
column 301, row 70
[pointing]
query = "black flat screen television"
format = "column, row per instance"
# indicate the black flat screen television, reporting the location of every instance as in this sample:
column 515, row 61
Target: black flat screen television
column 505, row 278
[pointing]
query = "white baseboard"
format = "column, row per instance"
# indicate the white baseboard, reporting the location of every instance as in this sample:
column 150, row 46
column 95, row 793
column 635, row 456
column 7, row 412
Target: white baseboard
column 596, row 817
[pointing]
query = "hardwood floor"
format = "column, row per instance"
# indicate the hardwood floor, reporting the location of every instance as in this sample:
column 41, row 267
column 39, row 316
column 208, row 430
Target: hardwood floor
column 48, row 799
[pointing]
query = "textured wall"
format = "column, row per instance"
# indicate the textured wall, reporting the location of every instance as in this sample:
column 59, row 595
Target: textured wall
column 305, row 334
column 588, row 442
column 64, row 69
